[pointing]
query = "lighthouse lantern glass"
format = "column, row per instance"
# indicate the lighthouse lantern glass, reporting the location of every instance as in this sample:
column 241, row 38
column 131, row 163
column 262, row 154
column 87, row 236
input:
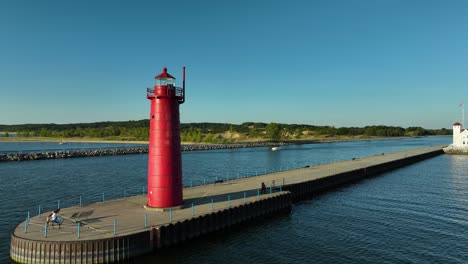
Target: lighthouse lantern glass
column 165, row 81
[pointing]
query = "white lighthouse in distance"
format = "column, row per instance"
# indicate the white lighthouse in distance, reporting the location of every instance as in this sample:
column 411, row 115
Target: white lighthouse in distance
column 460, row 136
column 460, row 141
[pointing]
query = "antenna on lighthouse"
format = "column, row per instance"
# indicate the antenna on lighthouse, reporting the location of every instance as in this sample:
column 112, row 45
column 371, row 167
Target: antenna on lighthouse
column 462, row 105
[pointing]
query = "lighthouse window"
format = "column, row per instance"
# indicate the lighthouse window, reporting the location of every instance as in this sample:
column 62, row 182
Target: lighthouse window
column 160, row 82
column 165, row 81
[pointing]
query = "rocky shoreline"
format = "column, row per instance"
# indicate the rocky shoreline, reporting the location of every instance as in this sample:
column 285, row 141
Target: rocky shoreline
column 456, row 150
column 24, row 156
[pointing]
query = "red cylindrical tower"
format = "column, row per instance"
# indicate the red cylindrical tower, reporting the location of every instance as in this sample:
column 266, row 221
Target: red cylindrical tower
column 164, row 155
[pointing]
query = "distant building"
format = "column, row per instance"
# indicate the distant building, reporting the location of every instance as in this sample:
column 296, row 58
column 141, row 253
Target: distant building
column 460, row 136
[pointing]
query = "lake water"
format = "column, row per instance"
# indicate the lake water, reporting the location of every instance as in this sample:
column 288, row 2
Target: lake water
column 14, row 147
column 417, row 214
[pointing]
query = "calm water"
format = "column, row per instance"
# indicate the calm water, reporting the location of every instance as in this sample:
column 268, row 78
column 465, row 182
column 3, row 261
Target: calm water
column 13, row 147
column 416, row 214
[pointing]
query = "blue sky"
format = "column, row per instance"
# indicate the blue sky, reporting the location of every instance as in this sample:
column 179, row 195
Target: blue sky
column 339, row 63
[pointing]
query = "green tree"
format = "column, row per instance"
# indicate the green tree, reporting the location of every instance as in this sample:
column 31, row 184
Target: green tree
column 370, row 131
column 342, row 131
column 231, row 132
column 273, row 131
column 331, row 131
column 208, row 138
column 6, row 134
column 253, row 132
column 80, row 132
column 298, row 133
column 43, row 132
column 184, row 136
column 286, row 133
column 116, row 131
column 197, row 137
column 66, row 133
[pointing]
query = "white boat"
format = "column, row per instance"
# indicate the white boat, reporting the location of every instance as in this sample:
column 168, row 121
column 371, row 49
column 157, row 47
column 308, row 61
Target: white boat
column 275, row 148
column 62, row 142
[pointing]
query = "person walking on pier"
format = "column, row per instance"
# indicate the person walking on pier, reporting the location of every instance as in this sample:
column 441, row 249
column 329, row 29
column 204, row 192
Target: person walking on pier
column 54, row 218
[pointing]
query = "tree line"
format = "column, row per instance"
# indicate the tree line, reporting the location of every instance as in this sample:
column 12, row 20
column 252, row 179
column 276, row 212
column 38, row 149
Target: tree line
column 213, row 132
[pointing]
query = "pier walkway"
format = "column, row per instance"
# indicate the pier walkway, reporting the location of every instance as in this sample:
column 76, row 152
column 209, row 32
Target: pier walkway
column 107, row 222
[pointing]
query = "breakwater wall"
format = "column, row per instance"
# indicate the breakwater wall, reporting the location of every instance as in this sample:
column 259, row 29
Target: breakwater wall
column 126, row 247
column 306, row 189
column 170, row 235
column 77, row 153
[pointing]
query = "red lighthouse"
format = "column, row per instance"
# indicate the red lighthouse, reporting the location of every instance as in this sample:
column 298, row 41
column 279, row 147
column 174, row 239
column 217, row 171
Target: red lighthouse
column 164, row 156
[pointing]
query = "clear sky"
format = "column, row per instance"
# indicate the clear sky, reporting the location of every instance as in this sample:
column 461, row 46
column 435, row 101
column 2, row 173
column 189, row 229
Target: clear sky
column 321, row 62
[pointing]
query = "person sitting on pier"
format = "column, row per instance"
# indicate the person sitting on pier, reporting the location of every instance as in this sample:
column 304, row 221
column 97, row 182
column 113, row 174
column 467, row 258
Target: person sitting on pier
column 263, row 189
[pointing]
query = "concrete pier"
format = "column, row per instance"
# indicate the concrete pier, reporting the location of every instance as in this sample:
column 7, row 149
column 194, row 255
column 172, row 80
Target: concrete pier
column 118, row 230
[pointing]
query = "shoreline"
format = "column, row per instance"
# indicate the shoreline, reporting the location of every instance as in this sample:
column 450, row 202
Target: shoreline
column 287, row 142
